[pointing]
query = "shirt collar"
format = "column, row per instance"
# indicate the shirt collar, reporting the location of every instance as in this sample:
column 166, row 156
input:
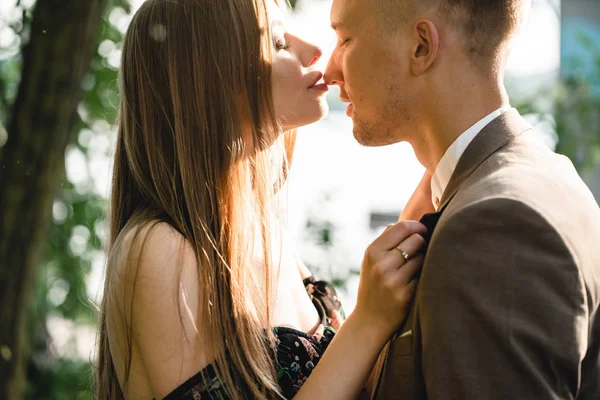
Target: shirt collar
column 445, row 168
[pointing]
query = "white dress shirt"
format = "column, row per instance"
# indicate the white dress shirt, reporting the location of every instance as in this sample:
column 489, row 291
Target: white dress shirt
column 447, row 165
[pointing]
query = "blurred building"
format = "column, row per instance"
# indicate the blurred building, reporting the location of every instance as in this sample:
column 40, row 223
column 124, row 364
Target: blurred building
column 580, row 60
column 580, row 30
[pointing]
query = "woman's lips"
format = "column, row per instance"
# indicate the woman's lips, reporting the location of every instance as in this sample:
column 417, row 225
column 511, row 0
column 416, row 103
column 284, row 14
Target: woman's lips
column 322, row 87
column 317, row 82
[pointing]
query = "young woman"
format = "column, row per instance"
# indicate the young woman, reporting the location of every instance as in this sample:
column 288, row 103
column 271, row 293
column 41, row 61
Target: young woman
column 202, row 298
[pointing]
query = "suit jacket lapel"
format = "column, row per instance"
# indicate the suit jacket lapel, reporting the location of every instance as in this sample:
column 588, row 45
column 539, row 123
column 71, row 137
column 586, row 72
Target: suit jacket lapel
column 493, row 137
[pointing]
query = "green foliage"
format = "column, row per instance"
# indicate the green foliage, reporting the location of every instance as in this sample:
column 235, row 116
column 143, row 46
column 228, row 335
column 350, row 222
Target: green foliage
column 573, row 110
column 10, row 57
column 75, row 236
column 10, row 75
column 63, row 380
column 577, row 111
column 321, row 234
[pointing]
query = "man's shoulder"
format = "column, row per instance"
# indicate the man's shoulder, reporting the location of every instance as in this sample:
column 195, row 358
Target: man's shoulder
column 529, row 173
column 527, row 185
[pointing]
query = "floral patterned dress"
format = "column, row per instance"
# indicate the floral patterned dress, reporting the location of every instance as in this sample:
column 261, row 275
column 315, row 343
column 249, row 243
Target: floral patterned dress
column 297, row 353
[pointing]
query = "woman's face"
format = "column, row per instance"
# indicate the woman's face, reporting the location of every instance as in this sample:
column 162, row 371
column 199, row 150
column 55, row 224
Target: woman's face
column 298, row 90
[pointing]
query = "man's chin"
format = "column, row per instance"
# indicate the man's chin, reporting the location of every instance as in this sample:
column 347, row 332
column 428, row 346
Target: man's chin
column 372, row 136
column 365, row 138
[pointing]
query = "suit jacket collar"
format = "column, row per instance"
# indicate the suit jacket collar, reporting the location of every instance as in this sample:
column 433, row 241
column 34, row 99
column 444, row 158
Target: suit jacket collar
column 493, row 137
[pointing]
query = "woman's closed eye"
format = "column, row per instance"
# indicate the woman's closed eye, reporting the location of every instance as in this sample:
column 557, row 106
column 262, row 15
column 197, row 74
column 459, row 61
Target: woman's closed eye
column 280, row 44
column 279, row 36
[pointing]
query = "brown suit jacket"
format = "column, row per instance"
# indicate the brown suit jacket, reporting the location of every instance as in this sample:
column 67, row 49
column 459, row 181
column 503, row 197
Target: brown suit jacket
column 507, row 304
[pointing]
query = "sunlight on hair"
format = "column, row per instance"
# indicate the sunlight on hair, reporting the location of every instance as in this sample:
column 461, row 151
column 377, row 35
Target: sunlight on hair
column 158, row 32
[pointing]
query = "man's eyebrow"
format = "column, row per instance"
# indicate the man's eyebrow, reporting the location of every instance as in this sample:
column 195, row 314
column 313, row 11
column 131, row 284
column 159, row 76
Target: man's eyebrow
column 336, row 24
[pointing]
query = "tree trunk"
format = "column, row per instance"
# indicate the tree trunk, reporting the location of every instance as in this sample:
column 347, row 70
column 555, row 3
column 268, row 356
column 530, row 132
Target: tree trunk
column 43, row 119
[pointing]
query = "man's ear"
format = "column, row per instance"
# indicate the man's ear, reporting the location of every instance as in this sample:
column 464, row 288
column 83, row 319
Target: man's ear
column 426, row 46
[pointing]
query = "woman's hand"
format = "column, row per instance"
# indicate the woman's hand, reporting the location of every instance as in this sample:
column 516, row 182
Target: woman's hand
column 385, row 291
column 387, row 282
column 420, row 201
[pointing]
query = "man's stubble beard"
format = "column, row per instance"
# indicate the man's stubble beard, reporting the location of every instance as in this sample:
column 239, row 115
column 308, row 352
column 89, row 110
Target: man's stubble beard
column 384, row 130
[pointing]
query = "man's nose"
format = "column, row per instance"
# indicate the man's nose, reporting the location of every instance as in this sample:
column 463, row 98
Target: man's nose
column 333, row 73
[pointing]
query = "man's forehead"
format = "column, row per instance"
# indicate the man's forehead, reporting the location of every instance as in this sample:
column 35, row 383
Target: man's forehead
column 343, row 12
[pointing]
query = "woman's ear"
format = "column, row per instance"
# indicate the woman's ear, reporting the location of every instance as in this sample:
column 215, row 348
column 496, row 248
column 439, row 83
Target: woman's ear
column 426, row 46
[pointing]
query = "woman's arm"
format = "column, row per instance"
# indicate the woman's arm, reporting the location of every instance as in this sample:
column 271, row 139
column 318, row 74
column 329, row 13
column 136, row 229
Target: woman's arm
column 385, row 291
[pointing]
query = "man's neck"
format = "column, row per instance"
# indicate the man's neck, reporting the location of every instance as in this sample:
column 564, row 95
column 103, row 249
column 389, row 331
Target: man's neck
column 449, row 119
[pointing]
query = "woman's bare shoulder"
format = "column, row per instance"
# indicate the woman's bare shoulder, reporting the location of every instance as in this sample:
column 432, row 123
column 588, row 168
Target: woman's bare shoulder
column 166, row 310
column 152, row 252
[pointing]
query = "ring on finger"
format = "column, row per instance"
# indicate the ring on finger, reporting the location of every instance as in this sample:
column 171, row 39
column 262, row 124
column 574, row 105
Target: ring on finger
column 403, row 252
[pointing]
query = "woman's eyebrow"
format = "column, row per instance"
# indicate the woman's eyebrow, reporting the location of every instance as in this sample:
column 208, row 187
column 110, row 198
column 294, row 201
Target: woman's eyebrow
column 277, row 24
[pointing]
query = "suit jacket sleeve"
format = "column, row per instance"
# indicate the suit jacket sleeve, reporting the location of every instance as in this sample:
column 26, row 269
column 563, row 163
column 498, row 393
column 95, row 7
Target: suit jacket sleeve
column 502, row 307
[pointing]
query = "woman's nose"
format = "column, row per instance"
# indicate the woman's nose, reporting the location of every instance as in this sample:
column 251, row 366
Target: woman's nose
column 309, row 53
column 316, row 55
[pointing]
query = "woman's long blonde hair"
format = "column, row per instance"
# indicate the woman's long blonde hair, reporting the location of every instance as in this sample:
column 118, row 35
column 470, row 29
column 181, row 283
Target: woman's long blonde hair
column 195, row 74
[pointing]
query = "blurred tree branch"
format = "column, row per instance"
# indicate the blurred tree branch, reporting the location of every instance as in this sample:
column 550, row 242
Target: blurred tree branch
column 41, row 123
column 4, row 107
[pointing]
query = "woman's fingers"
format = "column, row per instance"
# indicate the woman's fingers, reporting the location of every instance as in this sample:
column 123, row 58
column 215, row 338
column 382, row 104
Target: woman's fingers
column 397, row 233
column 411, row 246
column 388, row 281
column 409, row 270
column 402, row 281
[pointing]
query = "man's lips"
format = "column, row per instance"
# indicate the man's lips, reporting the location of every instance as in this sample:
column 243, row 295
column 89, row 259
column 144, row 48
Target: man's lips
column 350, row 107
column 350, row 110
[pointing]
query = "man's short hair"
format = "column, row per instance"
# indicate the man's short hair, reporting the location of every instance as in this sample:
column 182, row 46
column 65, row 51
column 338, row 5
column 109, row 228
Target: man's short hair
column 484, row 26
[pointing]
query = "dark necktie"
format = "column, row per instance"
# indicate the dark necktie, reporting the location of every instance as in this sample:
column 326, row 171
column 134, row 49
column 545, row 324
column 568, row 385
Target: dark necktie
column 430, row 221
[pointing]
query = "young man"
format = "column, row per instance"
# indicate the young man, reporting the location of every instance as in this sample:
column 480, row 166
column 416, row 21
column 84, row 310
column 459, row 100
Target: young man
column 507, row 305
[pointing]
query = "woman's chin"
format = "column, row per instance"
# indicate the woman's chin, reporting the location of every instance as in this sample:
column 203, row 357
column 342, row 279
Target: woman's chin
column 321, row 111
column 315, row 115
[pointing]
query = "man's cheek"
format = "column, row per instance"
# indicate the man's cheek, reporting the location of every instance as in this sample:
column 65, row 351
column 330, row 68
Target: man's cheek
column 349, row 67
column 359, row 73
